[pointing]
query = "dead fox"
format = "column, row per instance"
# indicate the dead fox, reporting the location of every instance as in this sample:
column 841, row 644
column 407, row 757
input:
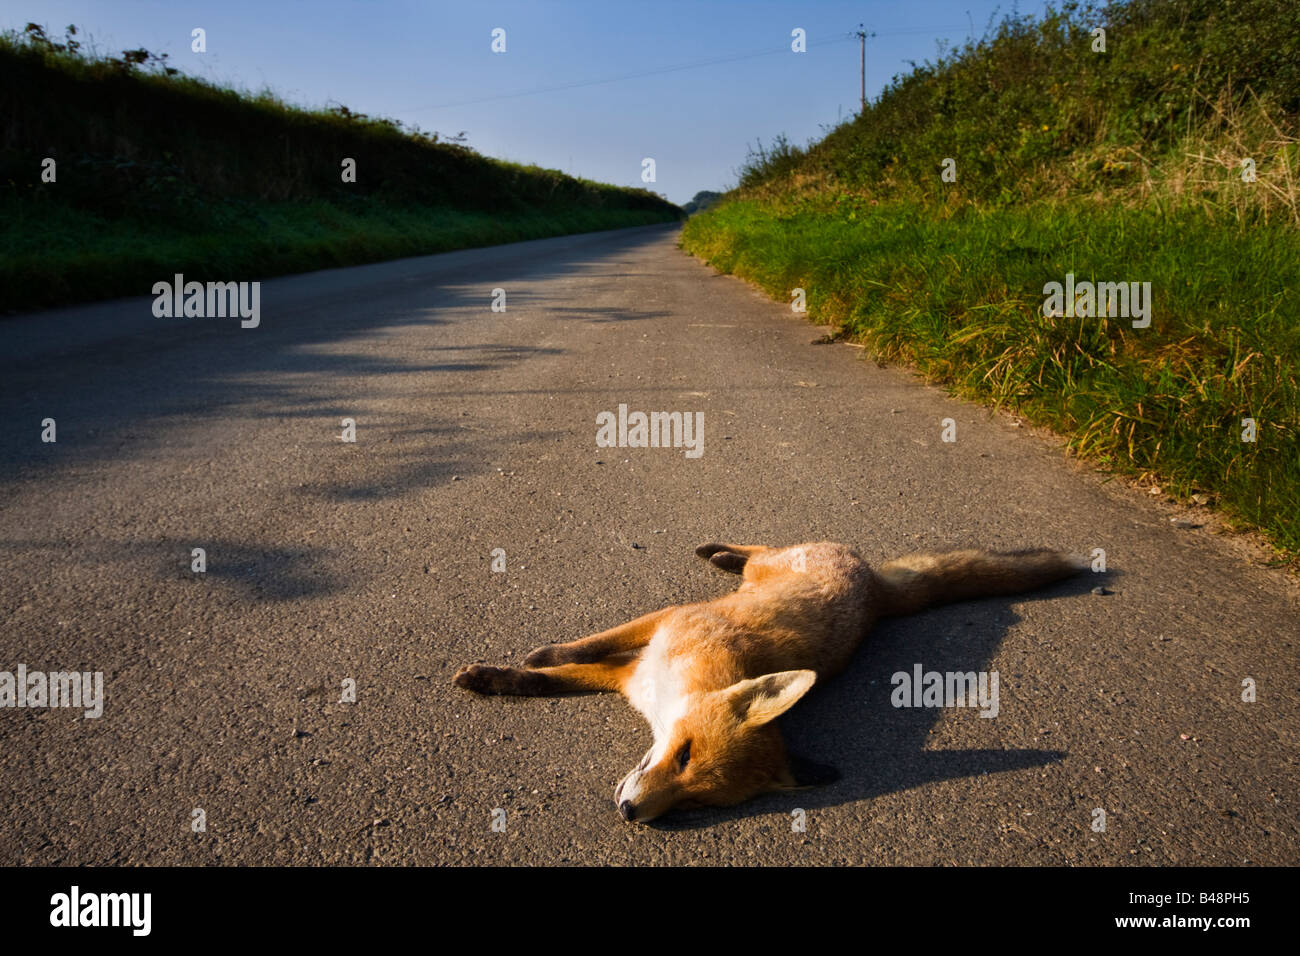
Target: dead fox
column 712, row 677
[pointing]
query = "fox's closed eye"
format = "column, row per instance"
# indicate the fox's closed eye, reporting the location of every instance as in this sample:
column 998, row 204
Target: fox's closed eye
column 684, row 756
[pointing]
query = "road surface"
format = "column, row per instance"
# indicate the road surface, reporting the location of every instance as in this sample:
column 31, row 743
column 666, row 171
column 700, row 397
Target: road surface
column 223, row 738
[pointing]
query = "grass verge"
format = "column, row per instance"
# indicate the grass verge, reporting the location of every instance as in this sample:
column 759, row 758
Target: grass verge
column 55, row 254
column 957, row 292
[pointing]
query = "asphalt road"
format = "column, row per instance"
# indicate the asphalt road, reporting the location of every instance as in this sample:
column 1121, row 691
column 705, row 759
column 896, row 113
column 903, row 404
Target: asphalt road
column 475, row 430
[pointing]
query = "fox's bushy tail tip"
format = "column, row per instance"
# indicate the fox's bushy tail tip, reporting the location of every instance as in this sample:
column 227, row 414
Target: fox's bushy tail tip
column 917, row 581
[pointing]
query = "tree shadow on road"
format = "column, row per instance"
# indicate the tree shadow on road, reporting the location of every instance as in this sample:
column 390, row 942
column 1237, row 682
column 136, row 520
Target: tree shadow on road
column 121, row 397
column 246, row 570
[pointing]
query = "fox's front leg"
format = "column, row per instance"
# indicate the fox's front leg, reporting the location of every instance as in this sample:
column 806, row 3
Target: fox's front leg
column 606, row 675
column 631, row 636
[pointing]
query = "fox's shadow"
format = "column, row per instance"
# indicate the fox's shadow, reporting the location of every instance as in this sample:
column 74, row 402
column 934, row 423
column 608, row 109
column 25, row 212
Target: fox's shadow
column 877, row 748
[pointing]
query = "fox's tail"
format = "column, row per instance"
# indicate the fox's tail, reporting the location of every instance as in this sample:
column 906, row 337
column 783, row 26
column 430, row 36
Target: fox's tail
column 918, row 581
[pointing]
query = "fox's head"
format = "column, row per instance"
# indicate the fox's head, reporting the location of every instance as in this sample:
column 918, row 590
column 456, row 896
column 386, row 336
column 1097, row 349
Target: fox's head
column 723, row 750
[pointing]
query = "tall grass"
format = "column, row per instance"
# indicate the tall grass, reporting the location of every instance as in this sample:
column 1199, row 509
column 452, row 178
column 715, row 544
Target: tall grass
column 1029, row 110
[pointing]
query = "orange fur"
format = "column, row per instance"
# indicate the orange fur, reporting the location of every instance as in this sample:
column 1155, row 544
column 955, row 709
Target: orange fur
column 713, row 677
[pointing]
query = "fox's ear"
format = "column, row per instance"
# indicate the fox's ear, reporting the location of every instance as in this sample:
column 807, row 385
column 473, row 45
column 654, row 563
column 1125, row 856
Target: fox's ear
column 762, row 699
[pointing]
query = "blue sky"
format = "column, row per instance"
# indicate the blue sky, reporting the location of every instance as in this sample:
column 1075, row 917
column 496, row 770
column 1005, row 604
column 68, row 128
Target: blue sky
column 430, row 63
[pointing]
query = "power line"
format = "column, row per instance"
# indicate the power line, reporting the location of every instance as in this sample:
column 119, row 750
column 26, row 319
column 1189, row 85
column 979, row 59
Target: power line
column 843, row 38
column 625, row 76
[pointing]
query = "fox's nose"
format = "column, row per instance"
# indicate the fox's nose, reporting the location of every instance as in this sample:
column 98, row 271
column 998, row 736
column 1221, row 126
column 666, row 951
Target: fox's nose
column 627, row 810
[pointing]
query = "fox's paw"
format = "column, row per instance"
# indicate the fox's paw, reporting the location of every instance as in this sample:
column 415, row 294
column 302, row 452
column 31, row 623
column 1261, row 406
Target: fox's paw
column 718, row 556
column 470, row 678
column 707, row 551
column 548, row 655
column 485, row 679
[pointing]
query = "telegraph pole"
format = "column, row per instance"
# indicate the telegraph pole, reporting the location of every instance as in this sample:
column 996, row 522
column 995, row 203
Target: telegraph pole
column 862, row 66
column 862, row 60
